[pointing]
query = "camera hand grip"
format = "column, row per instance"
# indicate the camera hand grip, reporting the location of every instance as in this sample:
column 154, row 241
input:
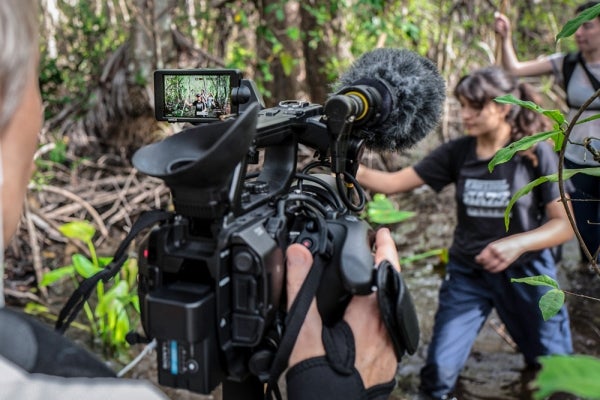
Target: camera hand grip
column 356, row 257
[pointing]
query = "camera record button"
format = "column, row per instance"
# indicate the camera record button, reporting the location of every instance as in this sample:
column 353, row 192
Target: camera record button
column 308, row 243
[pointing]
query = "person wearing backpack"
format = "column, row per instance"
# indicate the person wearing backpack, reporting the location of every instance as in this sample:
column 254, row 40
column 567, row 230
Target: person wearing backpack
column 579, row 74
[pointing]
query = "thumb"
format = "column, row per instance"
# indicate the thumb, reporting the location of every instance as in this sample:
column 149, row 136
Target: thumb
column 298, row 263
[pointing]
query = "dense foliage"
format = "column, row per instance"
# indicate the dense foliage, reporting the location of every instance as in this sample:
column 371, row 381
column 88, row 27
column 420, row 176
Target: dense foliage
column 291, row 49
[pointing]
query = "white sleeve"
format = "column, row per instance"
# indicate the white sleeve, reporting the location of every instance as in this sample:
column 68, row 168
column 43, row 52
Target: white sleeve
column 19, row 384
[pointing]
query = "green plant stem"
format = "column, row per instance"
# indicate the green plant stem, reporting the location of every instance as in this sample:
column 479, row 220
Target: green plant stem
column 90, row 316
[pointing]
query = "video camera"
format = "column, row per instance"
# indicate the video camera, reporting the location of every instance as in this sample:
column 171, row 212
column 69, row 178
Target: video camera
column 212, row 277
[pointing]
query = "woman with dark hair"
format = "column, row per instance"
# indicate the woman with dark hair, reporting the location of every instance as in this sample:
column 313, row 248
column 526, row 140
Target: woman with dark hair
column 483, row 255
column 579, row 74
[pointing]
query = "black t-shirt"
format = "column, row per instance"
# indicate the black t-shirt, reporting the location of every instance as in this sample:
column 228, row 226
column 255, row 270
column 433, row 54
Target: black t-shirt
column 482, row 197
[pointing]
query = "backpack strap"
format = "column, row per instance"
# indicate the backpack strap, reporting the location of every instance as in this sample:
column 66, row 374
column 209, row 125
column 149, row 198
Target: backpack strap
column 591, row 77
column 569, row 63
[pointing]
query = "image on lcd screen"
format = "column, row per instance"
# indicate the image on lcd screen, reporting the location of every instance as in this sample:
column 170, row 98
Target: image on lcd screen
column 197, row 96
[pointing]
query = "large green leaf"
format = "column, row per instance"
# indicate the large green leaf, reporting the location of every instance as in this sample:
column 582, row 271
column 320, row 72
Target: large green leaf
column 553, row 114
column 104, row 261
column 115, row 293
column 81, row 230
column 84, row 266
column 382, row 211
column 577, row 374
column 551, row 303
column 57, row 274
column 121, row 328
column 567, row 174
column 506, row 153
column 384, row 217
column 571, row 26
column 538, row 280
column 441, row 253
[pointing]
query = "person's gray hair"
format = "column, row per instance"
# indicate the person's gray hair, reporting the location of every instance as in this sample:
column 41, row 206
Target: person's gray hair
column 18, row 51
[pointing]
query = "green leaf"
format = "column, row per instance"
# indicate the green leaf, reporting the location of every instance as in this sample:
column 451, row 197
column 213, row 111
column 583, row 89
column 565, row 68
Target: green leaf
column 505, row 154
column 119, row 290
column 553, row 114
column 588, row 119
column 121, row 328
column 539, row 280
column 382, row 202
column 81, row 230
column 382, row 211
column 568, row 173
column 520, row 193
column 104, row 261
column 135, row 302
column 441, row 253
column 570, row 27
column 287, row 62
column 577, row 374
column 293, row 32
column 57, row 274
column 115, row 293
column 388, row 216
column 36, row 308
column 84, row 266
column 551, row 303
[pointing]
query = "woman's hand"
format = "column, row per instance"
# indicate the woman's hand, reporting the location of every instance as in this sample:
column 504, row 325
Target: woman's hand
column 498, row 255
column 502, row 25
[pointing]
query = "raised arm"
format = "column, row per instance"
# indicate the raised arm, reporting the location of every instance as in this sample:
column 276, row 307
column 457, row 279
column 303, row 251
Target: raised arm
column 510, row 61
column 400, row 181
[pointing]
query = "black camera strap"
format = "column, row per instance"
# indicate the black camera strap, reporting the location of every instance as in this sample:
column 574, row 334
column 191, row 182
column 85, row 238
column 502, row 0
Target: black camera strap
column 293, row 323
column 80, row 296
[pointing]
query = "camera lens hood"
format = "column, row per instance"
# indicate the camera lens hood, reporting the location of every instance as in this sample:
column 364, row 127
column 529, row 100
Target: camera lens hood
column 397, row 309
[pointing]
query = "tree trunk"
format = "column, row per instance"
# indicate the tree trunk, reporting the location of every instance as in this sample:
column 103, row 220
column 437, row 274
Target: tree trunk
column 121, row 115
column 278, row 52
column 319, row 52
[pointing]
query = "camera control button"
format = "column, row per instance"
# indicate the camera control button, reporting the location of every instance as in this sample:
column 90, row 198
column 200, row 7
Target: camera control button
column 308, row 243
column 192, row 366
column 243, row 261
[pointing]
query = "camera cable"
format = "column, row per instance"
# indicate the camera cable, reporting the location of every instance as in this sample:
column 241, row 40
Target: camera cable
column 145, row 351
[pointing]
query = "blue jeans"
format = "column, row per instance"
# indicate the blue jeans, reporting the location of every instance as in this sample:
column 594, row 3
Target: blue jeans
column 467, row 297
column 586, row 207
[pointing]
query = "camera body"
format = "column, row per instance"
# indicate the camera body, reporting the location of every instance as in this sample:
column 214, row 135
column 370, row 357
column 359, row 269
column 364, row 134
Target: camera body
column 212, row 278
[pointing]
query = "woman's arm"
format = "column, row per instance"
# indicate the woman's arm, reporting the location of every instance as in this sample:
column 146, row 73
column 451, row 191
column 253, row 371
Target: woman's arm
column 498, row 255
column 400, row 181
column 510, row 60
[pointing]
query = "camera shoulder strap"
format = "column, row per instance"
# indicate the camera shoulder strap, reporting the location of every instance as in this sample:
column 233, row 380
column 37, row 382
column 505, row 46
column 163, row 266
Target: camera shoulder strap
column 75, row 303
